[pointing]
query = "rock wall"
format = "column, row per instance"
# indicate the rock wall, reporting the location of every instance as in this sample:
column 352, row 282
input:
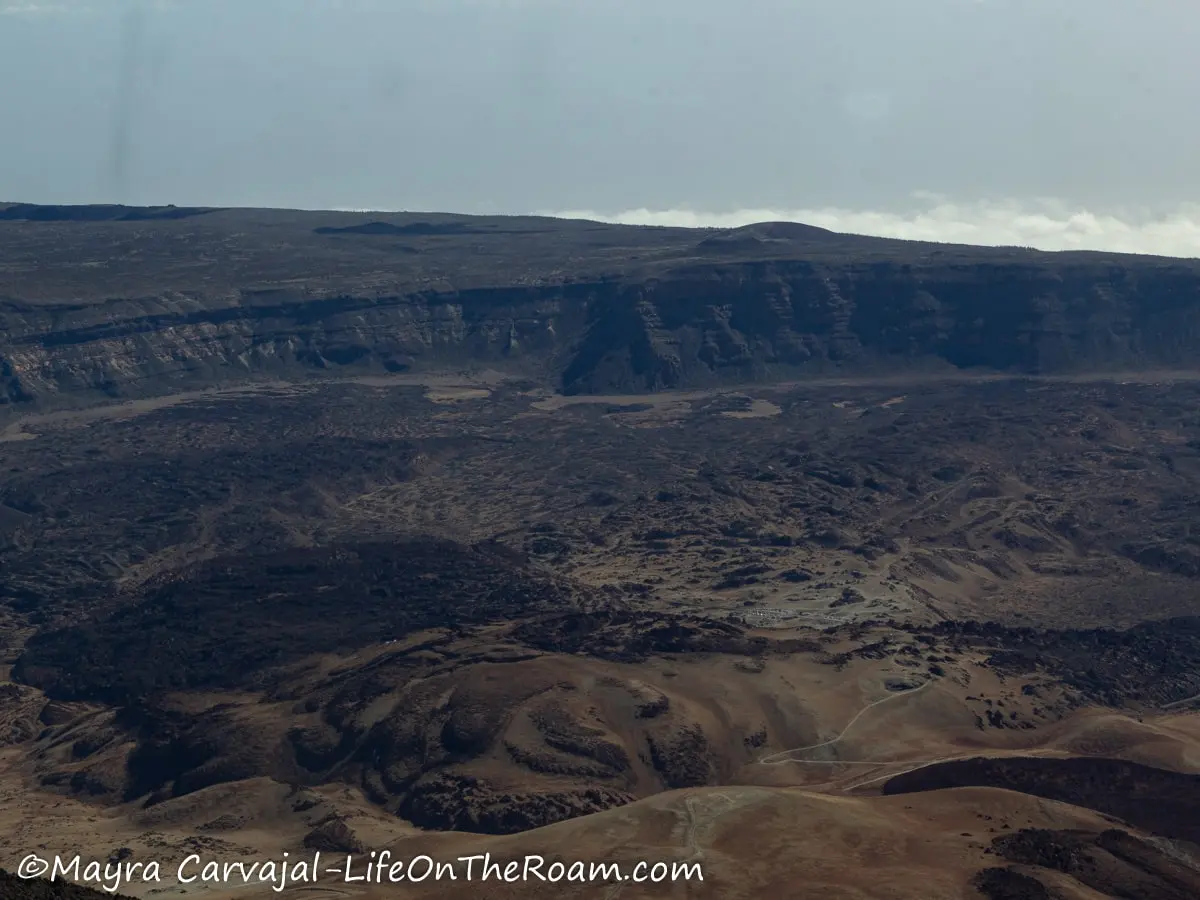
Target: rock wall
column 692, row 325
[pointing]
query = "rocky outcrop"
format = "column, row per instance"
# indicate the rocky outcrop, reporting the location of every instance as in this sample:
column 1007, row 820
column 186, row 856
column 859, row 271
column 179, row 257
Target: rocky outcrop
column 449, row 802
column 1112, row 863
column 14, row 887
column 1158, row 801
column 627, row 309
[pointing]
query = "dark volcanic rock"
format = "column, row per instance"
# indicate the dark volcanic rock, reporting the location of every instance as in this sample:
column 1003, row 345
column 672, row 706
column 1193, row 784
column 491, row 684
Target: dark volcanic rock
column 628, row 636
column 423, row 228
column 1155, row 800
column 14, row 888
column 221, row 623
column 334, row 836
column 682, row 757
column 32, row 212
column 1008, row 884
column 1113, row 862
column 463, row 803
column 1154, row 662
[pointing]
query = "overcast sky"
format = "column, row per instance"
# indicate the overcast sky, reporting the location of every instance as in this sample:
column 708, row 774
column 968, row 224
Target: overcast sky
column 963, row 116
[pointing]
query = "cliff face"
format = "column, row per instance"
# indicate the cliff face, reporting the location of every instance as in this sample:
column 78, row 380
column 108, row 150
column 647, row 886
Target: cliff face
column 130, row 348
column 626, row 310
column 742, row 321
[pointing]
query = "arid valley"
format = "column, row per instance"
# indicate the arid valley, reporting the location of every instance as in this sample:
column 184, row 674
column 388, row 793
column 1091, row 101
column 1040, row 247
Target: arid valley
column 842, row 567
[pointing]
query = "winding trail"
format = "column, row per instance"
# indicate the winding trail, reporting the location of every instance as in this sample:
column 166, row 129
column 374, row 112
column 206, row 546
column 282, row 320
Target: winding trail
column 1174, row 704
column 906, row 765
column 784, row 756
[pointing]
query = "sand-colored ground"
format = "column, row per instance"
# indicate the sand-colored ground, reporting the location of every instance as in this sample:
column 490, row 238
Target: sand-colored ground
column 749, row 842
column 801, row 818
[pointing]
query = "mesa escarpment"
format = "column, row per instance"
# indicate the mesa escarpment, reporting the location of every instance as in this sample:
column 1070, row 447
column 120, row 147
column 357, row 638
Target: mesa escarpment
column 127, row 303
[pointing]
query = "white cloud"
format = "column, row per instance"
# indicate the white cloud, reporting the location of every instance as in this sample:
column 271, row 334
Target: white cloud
column 49, row 8
column 27, row 9
column 46, row 8
column 1046, row 224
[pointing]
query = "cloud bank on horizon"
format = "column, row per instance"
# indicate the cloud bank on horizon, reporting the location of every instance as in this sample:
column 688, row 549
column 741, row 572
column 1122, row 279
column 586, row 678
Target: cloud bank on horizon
column 1045, row 225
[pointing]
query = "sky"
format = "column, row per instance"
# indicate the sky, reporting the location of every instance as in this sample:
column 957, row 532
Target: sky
column 1050, row 123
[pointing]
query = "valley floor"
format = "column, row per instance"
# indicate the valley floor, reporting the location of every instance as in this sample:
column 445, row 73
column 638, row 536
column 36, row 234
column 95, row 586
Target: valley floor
column 460, row 614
